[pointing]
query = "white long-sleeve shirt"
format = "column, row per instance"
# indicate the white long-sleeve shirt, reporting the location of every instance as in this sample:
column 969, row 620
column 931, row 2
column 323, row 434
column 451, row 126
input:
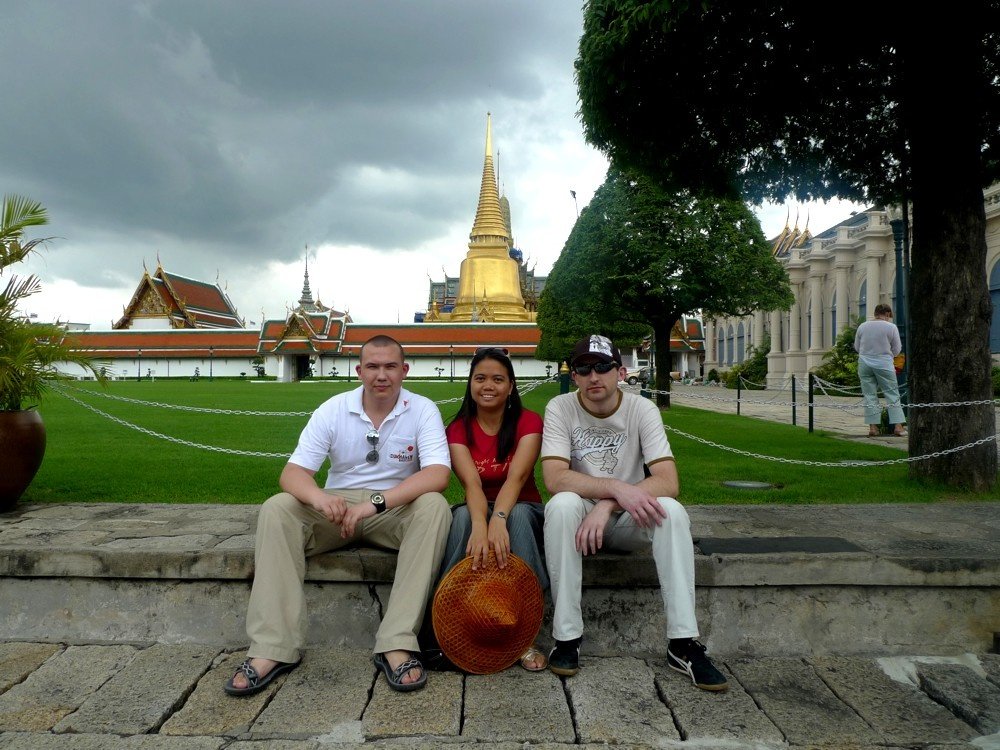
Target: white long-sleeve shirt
column 877, row 342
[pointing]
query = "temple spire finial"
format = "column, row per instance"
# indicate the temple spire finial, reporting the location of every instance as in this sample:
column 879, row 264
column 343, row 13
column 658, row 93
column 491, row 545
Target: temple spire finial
column 488, row 227
column 306, row 300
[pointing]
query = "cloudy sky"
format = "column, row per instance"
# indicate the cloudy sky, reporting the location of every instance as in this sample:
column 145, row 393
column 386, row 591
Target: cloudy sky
column 225, row 136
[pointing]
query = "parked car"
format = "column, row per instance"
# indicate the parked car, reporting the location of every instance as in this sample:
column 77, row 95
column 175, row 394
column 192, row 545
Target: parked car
column 641, row 375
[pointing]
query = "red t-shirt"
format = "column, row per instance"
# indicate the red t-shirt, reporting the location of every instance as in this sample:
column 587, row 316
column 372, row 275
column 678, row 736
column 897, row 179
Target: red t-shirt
column 484, row 454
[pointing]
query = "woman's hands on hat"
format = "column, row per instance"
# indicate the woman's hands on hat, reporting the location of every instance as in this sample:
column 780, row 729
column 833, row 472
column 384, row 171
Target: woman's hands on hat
column 479, row 546
column 499, row 539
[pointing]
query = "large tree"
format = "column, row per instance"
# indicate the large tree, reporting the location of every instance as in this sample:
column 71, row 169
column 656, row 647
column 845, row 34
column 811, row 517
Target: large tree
column 779, row 98
column 642, row 256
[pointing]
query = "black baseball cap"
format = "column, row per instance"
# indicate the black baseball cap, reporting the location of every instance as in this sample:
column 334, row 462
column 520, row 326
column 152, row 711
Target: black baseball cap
column 597, row 348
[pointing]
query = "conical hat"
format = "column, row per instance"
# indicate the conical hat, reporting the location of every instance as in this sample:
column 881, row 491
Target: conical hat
column 486, row 619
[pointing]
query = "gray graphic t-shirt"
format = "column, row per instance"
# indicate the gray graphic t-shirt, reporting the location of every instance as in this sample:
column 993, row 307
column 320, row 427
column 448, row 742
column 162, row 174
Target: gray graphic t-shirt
column 615, row 446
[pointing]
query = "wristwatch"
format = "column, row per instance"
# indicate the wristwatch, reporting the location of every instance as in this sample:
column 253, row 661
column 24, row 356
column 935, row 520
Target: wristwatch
column 501, row 514
column 378, row 500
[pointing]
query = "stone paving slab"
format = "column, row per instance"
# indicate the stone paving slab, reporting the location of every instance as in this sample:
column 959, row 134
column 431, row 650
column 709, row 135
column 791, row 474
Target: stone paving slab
column 106, row 742
column 972, row 698
column 282, row 745
column 326, row 694
column 160, row 676
column 434, row 711
column 799, row 703
column 60, row 686
column 699, row 714
column 991, row 665
column 516, row 706
column 901, row 714
column 18, row 660
column 614, row 700
column 210, row 711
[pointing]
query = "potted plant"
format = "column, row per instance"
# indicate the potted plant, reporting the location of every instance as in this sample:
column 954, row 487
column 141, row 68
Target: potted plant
column 29, row 354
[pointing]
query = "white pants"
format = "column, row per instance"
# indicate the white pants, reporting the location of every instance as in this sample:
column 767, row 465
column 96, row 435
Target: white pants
column 673, row 553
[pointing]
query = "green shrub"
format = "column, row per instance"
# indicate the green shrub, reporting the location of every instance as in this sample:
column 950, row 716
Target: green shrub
column 840, row 364
column 996, row 382
column 713, row 376
column 753, row 369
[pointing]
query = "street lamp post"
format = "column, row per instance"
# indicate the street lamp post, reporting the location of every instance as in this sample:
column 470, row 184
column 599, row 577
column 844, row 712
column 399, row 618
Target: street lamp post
column 211, row 357
column 896, row 222
column 138, row 369
column 451, row 355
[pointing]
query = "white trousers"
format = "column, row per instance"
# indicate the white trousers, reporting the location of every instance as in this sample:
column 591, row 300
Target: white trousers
column 673, row 553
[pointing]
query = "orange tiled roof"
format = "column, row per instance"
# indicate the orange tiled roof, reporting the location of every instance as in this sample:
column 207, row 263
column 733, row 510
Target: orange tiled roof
column 180, row 343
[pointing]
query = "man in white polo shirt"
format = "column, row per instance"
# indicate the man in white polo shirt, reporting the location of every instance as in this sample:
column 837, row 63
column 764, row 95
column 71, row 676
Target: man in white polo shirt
column 389, row 463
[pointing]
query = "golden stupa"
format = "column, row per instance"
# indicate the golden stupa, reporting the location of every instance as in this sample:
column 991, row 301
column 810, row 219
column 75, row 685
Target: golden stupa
column 489, row 287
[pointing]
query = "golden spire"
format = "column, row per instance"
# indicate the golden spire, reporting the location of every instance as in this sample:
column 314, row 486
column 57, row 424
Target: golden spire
column 489, row 225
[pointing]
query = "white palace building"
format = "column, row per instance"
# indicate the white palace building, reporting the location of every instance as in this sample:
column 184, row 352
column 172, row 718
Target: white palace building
column 837, row 276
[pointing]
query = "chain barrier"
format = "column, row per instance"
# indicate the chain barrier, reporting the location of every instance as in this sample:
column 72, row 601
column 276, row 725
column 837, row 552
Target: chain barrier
column 64, row 391
column 181, row 407
column 179, row 441
column 805, row 405
column 829, row 464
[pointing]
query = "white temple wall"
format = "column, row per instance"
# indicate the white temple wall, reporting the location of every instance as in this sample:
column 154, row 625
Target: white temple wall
column 834, row 279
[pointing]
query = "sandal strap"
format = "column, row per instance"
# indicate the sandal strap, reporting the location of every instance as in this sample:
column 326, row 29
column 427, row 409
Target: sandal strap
column 406, row 666
column 253, row 677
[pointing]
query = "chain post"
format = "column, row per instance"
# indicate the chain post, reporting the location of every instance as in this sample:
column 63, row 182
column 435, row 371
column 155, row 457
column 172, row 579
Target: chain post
column 812, row 381
column 793, row 399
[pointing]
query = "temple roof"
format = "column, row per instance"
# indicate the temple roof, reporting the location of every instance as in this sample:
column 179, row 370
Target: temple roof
column 172, row 343
column 185, row 302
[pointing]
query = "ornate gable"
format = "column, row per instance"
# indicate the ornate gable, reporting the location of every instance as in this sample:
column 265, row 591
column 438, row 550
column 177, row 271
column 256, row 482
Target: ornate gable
column 150, row 300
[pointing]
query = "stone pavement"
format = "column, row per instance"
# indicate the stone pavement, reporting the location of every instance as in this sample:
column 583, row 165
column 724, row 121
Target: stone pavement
column 110, row 697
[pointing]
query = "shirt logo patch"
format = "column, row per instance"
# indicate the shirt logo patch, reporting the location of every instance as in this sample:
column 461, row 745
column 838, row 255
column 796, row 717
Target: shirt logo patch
column 404, row 457
column 597, row 446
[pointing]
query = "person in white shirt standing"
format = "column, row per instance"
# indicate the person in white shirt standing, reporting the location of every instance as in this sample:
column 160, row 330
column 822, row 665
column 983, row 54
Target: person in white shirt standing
column 389, row 463
column 596, row 446
column 877, row 342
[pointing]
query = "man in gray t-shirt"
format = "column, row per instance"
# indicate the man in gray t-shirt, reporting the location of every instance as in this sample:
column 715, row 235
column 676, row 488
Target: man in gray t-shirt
column 597, row 446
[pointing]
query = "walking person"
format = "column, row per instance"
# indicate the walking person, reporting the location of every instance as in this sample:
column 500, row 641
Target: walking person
column 388, row 466
column 596, row 447
column 494, row 444
column 877, row 343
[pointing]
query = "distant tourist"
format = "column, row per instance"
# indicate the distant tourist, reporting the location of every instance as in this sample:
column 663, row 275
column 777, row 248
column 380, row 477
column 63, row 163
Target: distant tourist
column 388, row 465
column 877, row 342
column 595, row 445
column 494, row 444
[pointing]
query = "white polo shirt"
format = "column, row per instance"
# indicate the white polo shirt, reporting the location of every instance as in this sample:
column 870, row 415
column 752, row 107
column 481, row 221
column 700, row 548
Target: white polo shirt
column 410, row 438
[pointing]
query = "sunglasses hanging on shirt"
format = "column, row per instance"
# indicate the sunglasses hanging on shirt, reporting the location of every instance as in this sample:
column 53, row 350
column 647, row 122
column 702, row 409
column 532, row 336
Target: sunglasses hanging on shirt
column 372, row 438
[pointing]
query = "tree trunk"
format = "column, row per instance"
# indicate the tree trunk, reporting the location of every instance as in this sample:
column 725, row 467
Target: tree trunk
column 950, row 336
column 661, row 339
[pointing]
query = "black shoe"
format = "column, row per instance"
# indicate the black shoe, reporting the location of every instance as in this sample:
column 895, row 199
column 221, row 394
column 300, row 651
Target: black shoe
column 565, row 657
column 687, row 656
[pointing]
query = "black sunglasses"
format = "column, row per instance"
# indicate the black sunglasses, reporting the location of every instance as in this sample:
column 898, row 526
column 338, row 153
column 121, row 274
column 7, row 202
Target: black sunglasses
column 372, row 437
column 500, row 350
column 602, row 368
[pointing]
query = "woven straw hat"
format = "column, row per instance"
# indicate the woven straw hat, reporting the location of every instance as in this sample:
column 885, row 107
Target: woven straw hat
column 486, row 619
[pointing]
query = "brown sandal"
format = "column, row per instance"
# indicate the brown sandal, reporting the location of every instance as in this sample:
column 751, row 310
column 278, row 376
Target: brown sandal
column 531, row 656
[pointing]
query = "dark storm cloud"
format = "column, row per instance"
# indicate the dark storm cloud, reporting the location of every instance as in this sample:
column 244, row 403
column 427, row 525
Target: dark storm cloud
column 216, row 131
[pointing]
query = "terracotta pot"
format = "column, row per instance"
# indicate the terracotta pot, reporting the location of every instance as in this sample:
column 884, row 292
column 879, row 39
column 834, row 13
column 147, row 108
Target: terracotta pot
column 22, row 445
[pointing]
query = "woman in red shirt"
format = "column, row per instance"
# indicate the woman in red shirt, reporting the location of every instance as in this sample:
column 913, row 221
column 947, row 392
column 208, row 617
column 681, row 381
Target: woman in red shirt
column 494, row 445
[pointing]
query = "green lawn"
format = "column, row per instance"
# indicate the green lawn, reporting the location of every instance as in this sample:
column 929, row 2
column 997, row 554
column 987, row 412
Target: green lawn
column 90, row 458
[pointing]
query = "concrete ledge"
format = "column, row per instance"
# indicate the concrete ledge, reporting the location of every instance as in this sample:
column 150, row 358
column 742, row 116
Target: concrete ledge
column 771, row 580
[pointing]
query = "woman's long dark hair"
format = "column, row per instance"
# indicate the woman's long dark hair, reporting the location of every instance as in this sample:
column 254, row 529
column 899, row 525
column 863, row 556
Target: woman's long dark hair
column 507, row 437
